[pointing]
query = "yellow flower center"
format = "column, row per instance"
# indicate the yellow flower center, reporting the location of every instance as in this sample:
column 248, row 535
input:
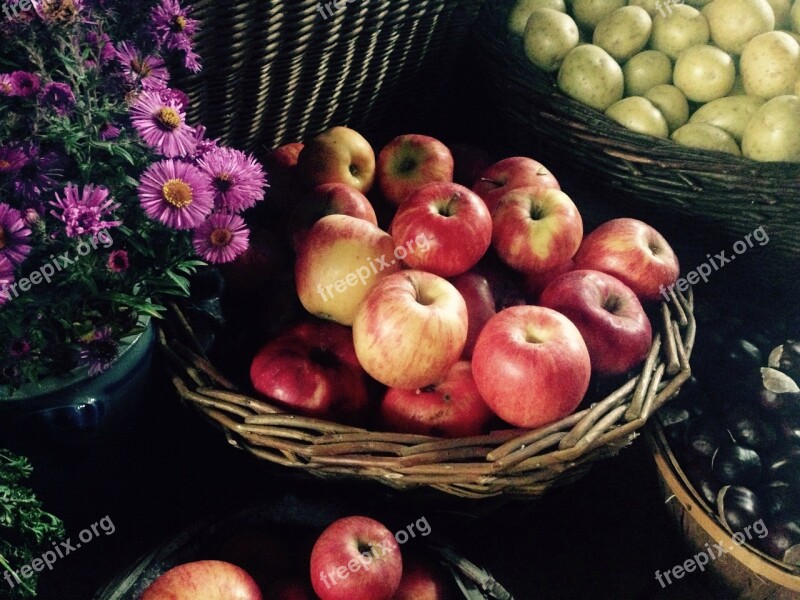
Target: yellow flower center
column 177, row 193
column 61, row 10
column 168, row 118
column 140, row 67
column 4, row 164
column 178, row 23
column 221, row 237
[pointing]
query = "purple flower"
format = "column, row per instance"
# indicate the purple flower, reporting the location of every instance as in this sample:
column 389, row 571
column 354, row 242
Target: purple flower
column 203, row 145
column 221, row 238
column 171, row 94
column 161, row 124
column 12, row 159
column 14, row 235
column 148, row 71
column 59, row 97
column 238, row 179
column 83, row 213
column 38, row 175
column 19, row 347
column 24, row 84
column 171, row 25
column 6, row 279
column 176, row 193
column 108, row 131
column 100, row 350
column 6, row 85
column 61, row 11
column 118, row 261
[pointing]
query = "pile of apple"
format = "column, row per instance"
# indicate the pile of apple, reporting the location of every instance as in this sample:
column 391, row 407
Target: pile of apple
column 355, row 558
column 414, row 308
column 733, row 65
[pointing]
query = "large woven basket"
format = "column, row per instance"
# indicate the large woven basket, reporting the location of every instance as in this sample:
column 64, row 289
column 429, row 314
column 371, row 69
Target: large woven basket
column 278, row 71
column 508, row 462
column 706, row 193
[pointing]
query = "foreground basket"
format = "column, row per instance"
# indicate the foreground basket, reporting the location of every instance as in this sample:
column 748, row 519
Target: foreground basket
column 509, row 462
column 277, row 71
column 703, row 192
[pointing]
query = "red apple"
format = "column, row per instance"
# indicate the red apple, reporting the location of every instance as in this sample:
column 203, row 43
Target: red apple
column 422, row 581
column 356, row 558
column 609, row 316
column 286, row 156
column 452, row 220
column 510, row 174
column 531, row 366
column 339, row 155
column 206, row 579
column 452, row 408
column 536, row 282
column 477, row 294
column 312, row 369
column 470, row 161
column 410, row 329
column 536, row 230
column 329, row 199
column 289, row 589
column 634, row 253
column 340, row 261
column 254, row 269
column 410, row 161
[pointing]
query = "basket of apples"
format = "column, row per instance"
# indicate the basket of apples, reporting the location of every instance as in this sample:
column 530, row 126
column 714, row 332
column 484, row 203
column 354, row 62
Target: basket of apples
column 478, row 344
column 689, row 109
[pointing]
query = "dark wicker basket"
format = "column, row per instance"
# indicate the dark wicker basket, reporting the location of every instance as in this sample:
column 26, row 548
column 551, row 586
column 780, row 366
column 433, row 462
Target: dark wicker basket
column 276, row 71
column 702, row 192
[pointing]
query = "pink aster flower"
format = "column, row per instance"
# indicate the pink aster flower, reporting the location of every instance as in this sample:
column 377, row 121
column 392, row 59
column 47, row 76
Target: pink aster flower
column 59, row 97
column 14, row 235
column 203, row 145
column 118, row 261
column 176, row 193
column 19, row 347
column 171, row 25
column 149, row 71
column 100, row 350
column 6, row 279
column 221, row 238
column 162, row 124
column 6, row 87
column 108, row 131
column 83, row 212
column 24, row 84
column 12, row 159
column 39, row 173
column 238, row 179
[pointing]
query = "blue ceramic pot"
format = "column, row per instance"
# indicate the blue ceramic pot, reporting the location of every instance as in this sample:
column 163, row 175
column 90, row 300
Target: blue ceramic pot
column 77, row 406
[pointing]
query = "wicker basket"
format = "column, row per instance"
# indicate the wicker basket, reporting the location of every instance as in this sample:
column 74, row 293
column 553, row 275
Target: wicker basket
column 277, row 71
column 508, row 462
column 703, row 192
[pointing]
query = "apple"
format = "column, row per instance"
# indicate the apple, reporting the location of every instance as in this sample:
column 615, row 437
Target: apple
column 470, row 161
column 286, row 156
column 634, row 253
column 341, row 259
column 481, row 307
column 536, row 282
column 509, row 174
column 452, row 220
column 506, row 283
column 312, row 369
column 536, row 230
column 410, row 161
column 206, row 579
column 339, row 155
column 531, row 366
column 329, row 199
column 410, row 329
column 451, row 408
column 609, row 316
column 422, row 581
column 356, row 558
column 254, row 269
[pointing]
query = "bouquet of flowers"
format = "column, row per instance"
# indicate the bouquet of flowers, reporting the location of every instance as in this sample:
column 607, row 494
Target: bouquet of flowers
column 109, row 199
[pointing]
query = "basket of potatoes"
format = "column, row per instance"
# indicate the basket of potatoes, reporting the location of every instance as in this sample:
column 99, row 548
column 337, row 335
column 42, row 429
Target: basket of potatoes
column 688, row 109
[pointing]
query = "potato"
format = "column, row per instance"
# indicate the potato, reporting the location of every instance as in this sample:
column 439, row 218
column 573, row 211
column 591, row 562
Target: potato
column 588, row 13
column 706, row 137
column 797, row 88
column 794, row 16
column 522, row 11
column 589, row 75
column 681, row 28
column 549, row 37
column 651, row 6
column 704, row 73
column 773, row 134
column 730, row 114
column 624, row 32
column 638, row 114
column 781, row 10
column 733, row 23
column 645, row 70
column 672, row 104
column 770, row 65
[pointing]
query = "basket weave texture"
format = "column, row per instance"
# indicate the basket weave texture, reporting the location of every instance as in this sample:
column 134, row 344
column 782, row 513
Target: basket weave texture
column 277, row 71
column 508, row 462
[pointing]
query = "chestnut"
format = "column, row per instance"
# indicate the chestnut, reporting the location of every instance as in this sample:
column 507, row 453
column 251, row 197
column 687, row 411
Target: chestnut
column 704, row 436
column 781, row 535
column 698, row 472
column 738, row 507
column 736, row 465
column 778, row 392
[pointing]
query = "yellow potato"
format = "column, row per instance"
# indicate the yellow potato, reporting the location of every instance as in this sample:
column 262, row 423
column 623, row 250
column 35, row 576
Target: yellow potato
column 645, row 70
column 781, row 9
column 706, row 137
column 794, row 16
column 624, row 32
column 588, row 13
column 651, row 6
column 773, row 134
column 640, row 115
column 549, row 37
column 522, row 11
column 672, row 104
column 704, row 73
column 589, row 75
column 770, row 64
column 733, row 23
column 680, row 28
column 730, row 114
